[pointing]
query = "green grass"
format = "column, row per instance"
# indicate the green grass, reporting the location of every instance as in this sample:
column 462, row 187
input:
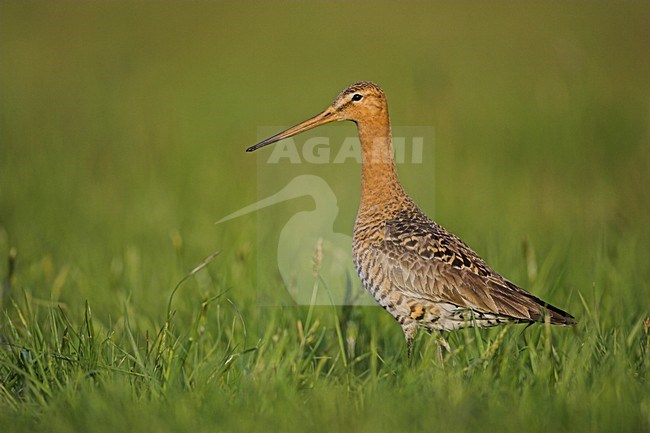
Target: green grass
column 122, row 130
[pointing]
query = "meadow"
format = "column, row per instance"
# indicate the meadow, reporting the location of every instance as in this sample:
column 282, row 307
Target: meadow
column 122, row 136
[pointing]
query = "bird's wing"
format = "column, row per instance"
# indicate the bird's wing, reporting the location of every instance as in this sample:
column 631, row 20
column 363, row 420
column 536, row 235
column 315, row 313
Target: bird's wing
column 423, row 260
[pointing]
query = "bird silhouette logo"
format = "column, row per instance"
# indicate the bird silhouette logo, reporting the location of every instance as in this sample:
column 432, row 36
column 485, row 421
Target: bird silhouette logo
column 315, row 263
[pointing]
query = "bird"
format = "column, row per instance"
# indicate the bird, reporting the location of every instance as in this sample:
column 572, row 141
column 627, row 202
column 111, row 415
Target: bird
column 423, row 275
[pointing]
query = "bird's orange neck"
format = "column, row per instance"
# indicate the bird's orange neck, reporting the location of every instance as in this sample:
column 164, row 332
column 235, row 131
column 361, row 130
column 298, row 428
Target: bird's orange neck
column 379, row 182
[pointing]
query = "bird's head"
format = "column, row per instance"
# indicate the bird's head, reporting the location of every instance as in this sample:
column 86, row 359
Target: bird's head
column 358, row 102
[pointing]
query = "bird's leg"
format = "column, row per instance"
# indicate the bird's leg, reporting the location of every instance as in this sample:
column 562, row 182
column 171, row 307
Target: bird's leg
column 409, row 329
column 409, row 347
column 443, row 346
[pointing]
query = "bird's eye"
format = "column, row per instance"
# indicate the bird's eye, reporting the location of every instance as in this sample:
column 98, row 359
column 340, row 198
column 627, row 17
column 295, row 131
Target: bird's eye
column 357, row 97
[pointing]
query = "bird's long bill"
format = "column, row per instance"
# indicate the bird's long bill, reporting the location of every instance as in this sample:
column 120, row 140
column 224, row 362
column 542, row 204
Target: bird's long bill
column 326, row 116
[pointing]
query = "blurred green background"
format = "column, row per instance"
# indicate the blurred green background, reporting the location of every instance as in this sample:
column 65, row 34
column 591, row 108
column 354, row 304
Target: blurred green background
column 122, row 122
column 123, row 128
